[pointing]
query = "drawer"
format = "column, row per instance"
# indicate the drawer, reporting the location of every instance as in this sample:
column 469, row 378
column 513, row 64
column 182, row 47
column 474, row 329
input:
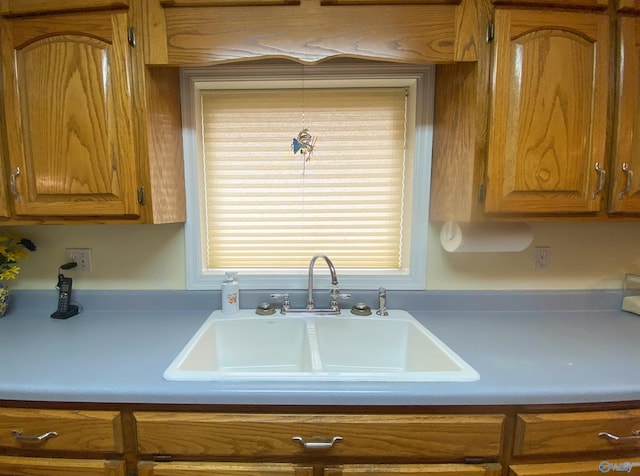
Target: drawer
column 257, row 434
column 556, row 433
column 98, row 431
column 199, row 468
column 12, row 465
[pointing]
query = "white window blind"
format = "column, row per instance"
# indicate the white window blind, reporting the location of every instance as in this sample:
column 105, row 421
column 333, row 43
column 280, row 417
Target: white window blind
column 266, row 208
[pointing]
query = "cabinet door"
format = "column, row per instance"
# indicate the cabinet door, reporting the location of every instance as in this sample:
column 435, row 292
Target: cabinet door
column 549, row 112
column 68, row 110
column 625, row 172
column 12, row 466
column 178, row 468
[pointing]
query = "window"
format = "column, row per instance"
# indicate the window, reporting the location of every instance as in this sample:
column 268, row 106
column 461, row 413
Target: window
column 257, row 207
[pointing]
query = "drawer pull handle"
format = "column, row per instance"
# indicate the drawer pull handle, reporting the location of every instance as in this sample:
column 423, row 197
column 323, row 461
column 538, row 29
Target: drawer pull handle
column 33, row 439
column 317, row 443
column 602, row 173
column 627, row 188
column 13, row 186
column 621, row 439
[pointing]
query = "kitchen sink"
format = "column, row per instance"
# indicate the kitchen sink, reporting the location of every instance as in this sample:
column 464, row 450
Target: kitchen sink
column 245, row 346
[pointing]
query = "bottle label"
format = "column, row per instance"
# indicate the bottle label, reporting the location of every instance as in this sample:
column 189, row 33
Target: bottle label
column 232, row 298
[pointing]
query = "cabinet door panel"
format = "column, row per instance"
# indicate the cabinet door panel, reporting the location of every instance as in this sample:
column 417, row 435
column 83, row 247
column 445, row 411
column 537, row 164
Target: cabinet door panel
column 68, row 104
column 548, row 120
column 19, row 466
column 625, row 172
column 178, row 468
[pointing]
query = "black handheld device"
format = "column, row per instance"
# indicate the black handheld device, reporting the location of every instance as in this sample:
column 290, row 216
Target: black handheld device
column 65, row 308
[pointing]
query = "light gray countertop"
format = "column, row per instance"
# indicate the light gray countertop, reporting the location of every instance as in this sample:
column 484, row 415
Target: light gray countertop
column 529, row 348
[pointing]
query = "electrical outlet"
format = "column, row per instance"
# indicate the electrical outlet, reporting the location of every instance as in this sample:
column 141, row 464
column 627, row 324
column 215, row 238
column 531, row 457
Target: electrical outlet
column 541, row 257
column 82, row 256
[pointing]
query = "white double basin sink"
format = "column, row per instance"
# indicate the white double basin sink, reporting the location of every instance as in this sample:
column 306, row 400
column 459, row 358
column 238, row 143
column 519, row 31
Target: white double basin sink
column 248, row 347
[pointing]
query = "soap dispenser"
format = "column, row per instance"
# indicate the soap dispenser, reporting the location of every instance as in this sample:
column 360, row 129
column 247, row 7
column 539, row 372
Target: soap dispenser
column 230, row 294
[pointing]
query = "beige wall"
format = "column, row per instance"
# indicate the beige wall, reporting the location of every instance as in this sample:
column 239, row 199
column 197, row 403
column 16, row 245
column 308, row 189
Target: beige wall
column 582, row 256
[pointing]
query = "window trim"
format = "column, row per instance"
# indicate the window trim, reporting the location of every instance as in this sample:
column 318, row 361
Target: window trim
column 423, row 77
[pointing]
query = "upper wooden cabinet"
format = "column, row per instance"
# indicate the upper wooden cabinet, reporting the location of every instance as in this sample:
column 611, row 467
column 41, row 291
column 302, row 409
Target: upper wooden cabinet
column 205, row 32
column 70, row 138
column 625, row 170
column 90, row 131
column 548, row 121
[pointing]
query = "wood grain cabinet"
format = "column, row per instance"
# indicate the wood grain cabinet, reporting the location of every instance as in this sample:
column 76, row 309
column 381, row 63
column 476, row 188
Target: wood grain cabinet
column 585, row 443
column 625, row 169
column 86, row 121
column 548, row 118
column 66, row 442
column 383, row 444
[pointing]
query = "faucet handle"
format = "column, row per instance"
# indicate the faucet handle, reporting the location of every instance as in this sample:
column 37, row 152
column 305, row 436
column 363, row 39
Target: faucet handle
column 286, row 304
column 335, row 294
column 382, row 302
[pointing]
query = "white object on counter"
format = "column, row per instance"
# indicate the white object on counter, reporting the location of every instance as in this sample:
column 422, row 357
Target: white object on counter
column 485, row 237
column 631, row 304
column 230, row 294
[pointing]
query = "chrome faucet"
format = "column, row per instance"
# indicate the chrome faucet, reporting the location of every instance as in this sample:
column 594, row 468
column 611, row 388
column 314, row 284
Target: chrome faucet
column 334, row 293
column 334, row 280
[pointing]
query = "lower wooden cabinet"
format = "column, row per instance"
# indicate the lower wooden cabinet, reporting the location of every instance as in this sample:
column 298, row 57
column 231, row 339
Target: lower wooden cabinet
column 23, row 466
column 132, row 439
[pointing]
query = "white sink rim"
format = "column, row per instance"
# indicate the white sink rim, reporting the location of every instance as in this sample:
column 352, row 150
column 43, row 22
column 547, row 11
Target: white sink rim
column 315, row 370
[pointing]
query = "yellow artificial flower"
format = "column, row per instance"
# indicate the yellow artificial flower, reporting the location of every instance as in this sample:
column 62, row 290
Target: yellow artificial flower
column 12, row 249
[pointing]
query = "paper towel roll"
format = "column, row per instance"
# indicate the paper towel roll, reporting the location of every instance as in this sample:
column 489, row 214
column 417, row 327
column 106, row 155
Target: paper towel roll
column 485, row 237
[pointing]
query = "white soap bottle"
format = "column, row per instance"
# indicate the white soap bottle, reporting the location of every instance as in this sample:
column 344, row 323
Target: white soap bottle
column 230, row 294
